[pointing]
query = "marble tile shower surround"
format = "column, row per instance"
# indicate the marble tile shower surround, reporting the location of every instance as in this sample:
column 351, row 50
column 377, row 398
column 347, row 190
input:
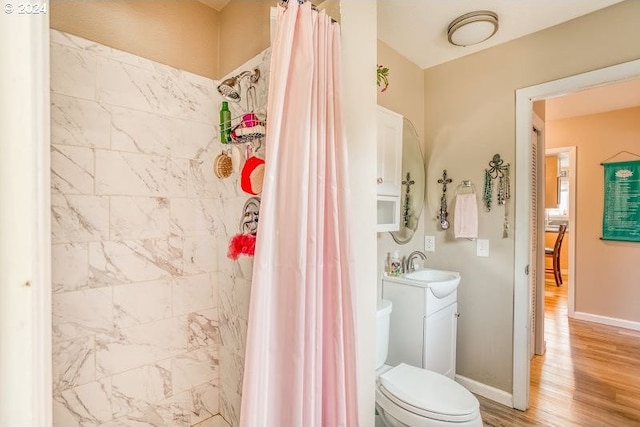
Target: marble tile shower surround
column 149, row 315
column 234, row 277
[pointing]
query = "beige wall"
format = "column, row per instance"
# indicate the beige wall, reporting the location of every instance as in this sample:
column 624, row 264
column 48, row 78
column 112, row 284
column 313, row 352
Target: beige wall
column 244, row 32
column 405, row 95
column 359, row 102
column 245, row 29
column 470, row 116
column 606, row 271
column 182, row 34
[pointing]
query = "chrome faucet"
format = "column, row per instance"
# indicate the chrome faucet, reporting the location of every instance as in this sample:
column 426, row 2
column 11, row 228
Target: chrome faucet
column 409, row 267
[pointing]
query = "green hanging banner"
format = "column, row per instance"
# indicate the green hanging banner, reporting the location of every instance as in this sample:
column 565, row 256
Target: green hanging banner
column 621, row 219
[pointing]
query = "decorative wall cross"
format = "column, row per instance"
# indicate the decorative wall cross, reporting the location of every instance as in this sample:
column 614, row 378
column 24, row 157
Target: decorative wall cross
column 408, row 182
column 406, row 206
column 444, row 181
column 443, row 215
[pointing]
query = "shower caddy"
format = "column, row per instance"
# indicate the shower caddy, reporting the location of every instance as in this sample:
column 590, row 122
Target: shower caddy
column 248, row 129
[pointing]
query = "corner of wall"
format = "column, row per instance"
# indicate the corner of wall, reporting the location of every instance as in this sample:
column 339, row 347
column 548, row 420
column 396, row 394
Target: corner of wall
column 236, row 43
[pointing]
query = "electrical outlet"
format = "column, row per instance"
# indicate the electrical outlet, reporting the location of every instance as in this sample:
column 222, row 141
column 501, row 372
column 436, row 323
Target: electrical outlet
column 430, row 243
column 482, row 247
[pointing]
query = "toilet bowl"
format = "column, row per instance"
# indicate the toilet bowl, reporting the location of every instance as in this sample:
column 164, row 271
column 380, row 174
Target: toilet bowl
column 416, row 397
column 408, row 396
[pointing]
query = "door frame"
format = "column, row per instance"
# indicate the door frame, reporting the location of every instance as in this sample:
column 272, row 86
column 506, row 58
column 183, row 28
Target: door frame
column 538, row 346
column 523, row 176
column 25, row 222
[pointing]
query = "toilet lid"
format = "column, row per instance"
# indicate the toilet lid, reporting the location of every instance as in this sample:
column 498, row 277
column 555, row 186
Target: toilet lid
column 428, row 393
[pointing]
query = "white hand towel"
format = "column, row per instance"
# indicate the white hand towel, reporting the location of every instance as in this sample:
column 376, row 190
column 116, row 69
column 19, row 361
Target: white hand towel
column 466, row 217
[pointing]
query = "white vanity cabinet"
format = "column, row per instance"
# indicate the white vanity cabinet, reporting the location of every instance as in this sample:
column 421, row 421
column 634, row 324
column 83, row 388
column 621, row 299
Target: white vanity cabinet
column 440, row 330
column 423, row 327
column 389, row 168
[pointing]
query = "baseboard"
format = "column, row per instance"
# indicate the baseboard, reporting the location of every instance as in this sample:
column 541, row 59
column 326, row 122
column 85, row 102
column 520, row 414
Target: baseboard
column 487, row 391
column 611, row 321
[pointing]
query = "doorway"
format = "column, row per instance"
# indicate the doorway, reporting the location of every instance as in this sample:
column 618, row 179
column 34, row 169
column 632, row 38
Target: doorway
column 522, row 295
column 557, row 199
column 564, row 213
column 554, row 192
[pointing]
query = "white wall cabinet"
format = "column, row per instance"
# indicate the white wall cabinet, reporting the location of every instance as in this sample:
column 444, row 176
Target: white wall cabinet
column 389, row 169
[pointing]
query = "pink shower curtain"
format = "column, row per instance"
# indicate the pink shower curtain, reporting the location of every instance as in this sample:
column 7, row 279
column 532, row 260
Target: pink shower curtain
column 300, row 364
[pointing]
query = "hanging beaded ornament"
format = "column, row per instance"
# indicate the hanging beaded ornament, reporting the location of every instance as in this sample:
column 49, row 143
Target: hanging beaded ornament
column 488, row 189
column 505, row 189
column 500, row 171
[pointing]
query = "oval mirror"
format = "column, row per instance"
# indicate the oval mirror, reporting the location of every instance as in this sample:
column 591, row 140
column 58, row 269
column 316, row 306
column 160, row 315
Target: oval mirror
column 413, row 184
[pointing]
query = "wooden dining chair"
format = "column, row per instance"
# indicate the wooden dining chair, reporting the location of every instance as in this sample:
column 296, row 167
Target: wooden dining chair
column 554, row 253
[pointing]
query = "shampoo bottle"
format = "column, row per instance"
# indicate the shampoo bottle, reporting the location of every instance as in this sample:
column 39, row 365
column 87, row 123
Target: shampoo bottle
column 225, row 123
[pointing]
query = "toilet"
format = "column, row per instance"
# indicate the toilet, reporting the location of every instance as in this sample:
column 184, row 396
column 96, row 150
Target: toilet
column 407, row 396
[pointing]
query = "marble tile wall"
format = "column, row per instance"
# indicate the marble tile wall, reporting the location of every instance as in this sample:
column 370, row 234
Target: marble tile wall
column 234, row 277
column 138, row 224
column 149, row 314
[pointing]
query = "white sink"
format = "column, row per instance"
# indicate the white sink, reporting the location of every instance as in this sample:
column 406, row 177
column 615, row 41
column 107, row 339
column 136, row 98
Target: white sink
column 441, row 282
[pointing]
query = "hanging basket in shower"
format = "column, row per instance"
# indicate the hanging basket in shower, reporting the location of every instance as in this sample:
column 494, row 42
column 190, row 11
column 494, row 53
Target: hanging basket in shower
column 247, row 128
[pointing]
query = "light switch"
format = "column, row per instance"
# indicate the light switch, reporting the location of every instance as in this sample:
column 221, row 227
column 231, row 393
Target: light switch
column 482, row 247
column 430, row 243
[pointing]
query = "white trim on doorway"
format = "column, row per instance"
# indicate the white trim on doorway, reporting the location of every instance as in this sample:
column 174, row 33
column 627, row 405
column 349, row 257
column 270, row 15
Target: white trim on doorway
column 524, row 110
column 538, row 346
column 25, row 222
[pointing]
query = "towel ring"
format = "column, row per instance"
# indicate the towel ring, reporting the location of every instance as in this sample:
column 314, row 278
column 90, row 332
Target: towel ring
column 466, row 187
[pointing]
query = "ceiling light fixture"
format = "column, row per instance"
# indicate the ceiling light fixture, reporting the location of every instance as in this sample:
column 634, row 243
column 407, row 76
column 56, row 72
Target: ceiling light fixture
column 473, row 28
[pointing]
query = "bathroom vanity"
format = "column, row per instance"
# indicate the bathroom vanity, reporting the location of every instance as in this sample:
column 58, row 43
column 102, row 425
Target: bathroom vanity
column 425, row 312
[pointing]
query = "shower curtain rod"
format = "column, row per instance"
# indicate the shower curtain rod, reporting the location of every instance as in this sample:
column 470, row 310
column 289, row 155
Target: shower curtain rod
column 285, row 2
column 313, row 6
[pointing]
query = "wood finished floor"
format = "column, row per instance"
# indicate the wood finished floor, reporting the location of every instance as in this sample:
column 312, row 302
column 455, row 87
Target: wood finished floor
column 589, row 376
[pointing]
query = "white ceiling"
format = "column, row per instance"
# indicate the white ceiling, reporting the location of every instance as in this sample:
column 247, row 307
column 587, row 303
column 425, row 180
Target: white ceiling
column 417, row 29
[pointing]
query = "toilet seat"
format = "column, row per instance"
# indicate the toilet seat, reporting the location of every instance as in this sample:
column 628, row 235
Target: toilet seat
column 428, row 394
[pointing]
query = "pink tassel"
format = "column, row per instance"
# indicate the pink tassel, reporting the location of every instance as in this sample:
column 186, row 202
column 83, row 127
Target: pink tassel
column 242, row 244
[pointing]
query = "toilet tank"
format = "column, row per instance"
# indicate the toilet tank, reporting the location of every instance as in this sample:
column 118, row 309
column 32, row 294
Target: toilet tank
column 382, row 331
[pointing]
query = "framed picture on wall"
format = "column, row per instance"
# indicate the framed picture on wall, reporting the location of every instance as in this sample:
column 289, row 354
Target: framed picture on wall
column 621, row 217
